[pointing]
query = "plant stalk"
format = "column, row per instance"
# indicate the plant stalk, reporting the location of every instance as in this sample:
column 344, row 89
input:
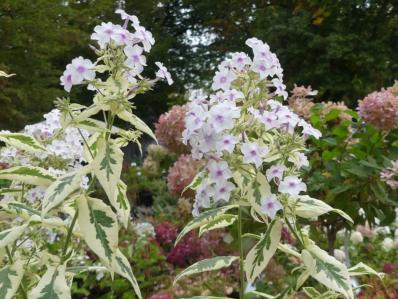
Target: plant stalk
column 241, row 256
column 69, row 235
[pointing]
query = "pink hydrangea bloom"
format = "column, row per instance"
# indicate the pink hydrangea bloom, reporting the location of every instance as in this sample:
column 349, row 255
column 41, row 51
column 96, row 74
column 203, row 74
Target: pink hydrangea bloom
column 181, row 175
column 169, row 130
column 380, row 108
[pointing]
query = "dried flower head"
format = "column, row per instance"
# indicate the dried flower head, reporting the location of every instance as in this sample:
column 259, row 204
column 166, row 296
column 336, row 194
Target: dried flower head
column 299, row 101
column 380, row 108
column 394, row 89
column 169, row 130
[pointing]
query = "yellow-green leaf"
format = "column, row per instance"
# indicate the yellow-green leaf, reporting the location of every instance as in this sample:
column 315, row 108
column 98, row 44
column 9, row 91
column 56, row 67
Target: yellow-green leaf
column 137, row 123
column 308, row 207
column 121, row 203
column 22, row 141
column 107, row 166
column 327, row 270
column 259, row 256
column 4, row 74
column 52, row 285
column 10, row 235
column 203, row 219
column 10, row 279
column 62, row 188
column 211, row 264
column 220, row 222
column 122, row 267
column 28, row 174
column 98, row 225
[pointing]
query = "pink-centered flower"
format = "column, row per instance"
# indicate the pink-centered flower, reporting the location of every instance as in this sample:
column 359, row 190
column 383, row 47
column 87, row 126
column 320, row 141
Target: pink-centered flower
column 163, row 73
column 292, row 185
column 270, row 205
column 275, row 171
column 223, row 79
column 219, row 171
column 253, row 153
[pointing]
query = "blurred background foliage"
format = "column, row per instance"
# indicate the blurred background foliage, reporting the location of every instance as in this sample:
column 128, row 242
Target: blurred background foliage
column 343, row 48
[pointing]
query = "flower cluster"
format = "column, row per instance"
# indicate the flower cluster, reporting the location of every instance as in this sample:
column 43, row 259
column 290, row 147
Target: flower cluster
column 380, row 108
column 130, row 46
column 64, row 151
column 181, row 174
column 169, row 130
column 300, row 101
column 390, row 175
column 166, row 233
column 223, row 129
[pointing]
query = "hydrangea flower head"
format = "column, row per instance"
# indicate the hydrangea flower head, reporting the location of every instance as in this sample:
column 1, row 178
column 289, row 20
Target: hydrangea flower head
column 380, row 108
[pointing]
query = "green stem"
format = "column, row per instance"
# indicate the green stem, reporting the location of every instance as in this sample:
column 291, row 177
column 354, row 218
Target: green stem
column 9, row 255
column 69, row 235
column 241, row 256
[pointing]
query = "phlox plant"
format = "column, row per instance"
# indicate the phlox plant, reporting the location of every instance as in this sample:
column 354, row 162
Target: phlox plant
column 253, row 148
column 60, row 163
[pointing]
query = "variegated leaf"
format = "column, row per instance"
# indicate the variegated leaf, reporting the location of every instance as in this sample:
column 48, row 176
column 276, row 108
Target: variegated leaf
column 93, row 147
column 259, row 256
column 262, row 295
column 10, row 235
column 22, row 141
column 121, row 203
column 137, row 123
column 4, row 74
column 195, row 182
column 327, row 270
column 107, row 166
column 122, row 267
column 10, row 279
column 314, row 294
column 211, row 264
column 52, row 285
column 62, row 188
column 98, row 225
column 220, row 222
column 258, row 189
column 308, row 207
column 91, row 125
column 363, row 269
column 203, row 219
column 28, row 174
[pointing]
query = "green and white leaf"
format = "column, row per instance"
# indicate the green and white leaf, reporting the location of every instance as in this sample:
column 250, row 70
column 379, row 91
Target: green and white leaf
column 202, row 219
column 363, row 269
column 211, row 264
column 4, row 74
column 91, row 125
column 327, row 270
column 10, row 279
column 10, row 235
column 258, row 189
column 259, row 256
column 107, row 166
column 22, row 142
column 308, row 207
column 28, row 174
column 314, row 294
column 220, row 222
column 93, row 147
column 98, row 225
column 286, row 248
column 121, row 203
column 52, row 285
column 62, row 188
column 197, row 180
column 261, row 294
column 137, row 123
column 122, row 267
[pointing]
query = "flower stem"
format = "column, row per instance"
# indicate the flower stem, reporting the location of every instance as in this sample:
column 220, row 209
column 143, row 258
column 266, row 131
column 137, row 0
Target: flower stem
column 69, row 235
column 241, row 256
